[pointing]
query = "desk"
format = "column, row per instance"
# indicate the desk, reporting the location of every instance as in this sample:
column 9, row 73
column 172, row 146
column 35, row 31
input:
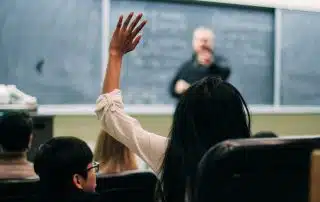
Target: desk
column 42, row 132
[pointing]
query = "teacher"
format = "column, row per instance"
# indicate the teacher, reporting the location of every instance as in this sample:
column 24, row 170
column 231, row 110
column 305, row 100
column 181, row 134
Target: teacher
column 204, row 62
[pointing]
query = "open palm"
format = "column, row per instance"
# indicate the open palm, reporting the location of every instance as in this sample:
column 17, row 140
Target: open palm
column 125, row 37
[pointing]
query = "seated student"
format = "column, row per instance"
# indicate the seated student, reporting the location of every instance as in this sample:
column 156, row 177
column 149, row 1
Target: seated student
column 113, row 156
column 66, row 171
column 264, row 134
column 15, row 140
column 210, row 111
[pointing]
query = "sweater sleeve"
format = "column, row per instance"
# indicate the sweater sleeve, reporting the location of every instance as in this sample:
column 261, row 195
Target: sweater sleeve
column 127, row 130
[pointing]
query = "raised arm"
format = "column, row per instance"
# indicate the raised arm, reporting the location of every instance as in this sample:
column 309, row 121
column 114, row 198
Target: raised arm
column 125, row 38
column 127, row 130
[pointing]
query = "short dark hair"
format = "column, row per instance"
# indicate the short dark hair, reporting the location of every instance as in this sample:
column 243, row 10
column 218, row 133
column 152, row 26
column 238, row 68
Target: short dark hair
column 59, row 159
column 15, row 130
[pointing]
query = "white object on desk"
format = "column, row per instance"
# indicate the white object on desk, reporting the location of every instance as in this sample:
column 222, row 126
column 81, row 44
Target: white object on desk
column 11, row 98
column 4, row 94
column 19, row 97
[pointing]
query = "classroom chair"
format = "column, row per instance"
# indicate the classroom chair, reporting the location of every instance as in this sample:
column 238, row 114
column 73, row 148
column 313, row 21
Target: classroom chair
column 127, row 186
column 18, row 190
column 315, row 177
column 251, row 170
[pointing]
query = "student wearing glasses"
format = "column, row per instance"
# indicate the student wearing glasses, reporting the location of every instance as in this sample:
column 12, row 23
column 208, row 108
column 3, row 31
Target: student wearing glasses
column 67, row 171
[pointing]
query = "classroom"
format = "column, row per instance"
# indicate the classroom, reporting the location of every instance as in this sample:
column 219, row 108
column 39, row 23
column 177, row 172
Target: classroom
column 57, row 53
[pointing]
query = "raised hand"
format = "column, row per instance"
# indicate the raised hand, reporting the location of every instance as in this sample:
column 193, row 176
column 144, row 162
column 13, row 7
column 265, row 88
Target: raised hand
column 125, row 37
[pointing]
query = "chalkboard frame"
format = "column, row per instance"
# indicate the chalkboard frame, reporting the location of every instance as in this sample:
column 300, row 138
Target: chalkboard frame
column 277, row 59
column 210, row 3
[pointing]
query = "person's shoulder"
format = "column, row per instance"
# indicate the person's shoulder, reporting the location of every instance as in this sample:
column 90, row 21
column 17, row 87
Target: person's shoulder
column 222, row 66
column 185, row 66
column 187, row 63
column 221, row 61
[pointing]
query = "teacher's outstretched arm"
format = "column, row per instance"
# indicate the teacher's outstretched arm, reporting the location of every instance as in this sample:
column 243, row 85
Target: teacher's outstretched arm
column 125, row 38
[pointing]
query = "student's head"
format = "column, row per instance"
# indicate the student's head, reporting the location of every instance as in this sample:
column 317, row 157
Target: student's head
column 265, row 134
column 65, row 164
column 203, row 37
column 15, row 132
column 209, row 112
column 112, row 155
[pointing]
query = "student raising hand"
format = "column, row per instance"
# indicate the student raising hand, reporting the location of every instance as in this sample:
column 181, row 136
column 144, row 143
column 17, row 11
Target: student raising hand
column 125, row 37
column 110, row 108
column 210, row 111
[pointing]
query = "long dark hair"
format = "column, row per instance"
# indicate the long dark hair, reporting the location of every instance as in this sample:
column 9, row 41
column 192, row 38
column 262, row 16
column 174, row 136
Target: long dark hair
column 210, row 111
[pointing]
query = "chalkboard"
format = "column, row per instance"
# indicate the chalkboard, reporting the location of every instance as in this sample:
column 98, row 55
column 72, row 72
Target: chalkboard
column 51, row 49
column 243, row 35
column 300, row 62
column 4, row 71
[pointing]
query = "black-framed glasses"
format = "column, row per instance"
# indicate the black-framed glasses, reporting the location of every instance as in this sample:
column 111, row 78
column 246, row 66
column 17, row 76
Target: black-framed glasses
column 95, row 165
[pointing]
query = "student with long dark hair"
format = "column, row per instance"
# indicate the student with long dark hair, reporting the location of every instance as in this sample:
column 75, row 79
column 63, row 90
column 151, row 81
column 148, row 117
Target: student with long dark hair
column 210, row 111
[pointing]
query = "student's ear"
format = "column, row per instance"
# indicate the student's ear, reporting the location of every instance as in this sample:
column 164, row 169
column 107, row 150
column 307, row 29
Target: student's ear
column 30, row 141
column 77, row 181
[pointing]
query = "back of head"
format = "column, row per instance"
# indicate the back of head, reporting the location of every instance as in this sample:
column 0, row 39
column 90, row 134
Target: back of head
column 15, row 131
column 265, row 134
column 112, row 155
column 209, row 112
column 59, row 159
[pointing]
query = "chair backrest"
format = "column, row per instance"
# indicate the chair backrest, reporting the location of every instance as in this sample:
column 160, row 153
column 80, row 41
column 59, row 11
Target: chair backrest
column 127, row 186
column 251, row 170
column 15, row 190
column 315, row 177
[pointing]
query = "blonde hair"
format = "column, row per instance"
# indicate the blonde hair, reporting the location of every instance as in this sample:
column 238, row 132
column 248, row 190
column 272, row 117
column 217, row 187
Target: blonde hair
column 112, row 155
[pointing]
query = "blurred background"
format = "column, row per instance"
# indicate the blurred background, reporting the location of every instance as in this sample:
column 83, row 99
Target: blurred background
column 56, row 51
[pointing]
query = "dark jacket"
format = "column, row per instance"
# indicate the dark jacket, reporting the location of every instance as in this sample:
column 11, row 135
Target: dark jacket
column 191, row 71
column 75, row 196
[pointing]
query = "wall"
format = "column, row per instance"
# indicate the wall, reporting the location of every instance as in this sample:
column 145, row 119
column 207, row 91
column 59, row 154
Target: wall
column 87, row 127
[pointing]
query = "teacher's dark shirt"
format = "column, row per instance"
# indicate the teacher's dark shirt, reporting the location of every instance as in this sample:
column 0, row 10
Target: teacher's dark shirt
column 191, row 71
